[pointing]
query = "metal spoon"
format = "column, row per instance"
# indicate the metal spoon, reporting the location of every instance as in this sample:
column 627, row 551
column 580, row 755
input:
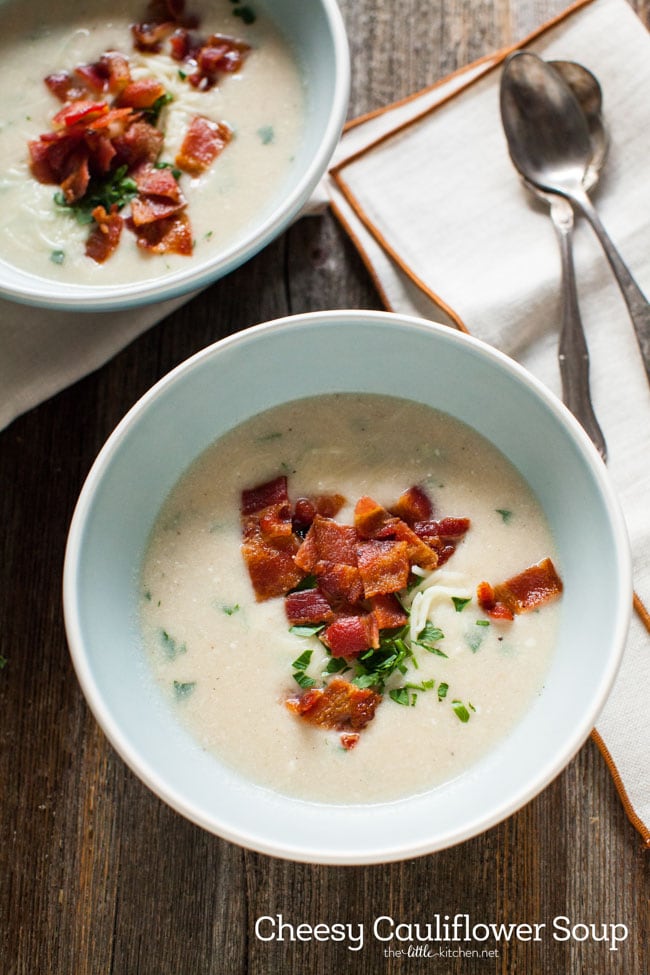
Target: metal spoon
column 549, row 144
column 573, row 355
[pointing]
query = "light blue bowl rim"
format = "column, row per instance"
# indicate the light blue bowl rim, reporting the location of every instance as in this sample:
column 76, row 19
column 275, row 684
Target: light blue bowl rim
column 400, row 848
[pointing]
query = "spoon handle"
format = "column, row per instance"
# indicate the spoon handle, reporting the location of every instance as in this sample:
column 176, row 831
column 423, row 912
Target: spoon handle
column 637, row 303
column 573, row 354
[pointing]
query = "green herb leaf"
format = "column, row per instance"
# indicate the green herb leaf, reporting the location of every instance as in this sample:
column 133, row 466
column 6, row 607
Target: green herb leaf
column 116, row 188
column 505, row 513
column 309, row 582
column 400, row 695
column 170, row 646
column 176, row 173
column 3, row 662
column 246, row 14
column 336, row 665
column 482, row 622
column 266, row 134
column 460, row 711
column 231, row 610
column 303, row 680
column 303, row 661
column 442, row 691
column 306, row 630
column 183, row 688
column 428, row 637
column 460, row 602
column 57, row 257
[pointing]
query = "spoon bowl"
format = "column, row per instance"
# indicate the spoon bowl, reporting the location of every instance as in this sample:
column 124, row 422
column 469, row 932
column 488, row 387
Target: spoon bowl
column 548, row 139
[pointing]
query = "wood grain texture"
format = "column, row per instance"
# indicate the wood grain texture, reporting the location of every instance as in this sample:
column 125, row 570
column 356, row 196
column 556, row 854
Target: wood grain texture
column 97, row 876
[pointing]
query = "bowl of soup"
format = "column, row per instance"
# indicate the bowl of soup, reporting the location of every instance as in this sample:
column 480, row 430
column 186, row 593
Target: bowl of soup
column 334, row 587
column 151, row 147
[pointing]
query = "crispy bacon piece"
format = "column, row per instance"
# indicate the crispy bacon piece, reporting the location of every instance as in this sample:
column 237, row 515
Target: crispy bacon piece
column 384, row 566
column 171, row 235
column 78, row 112
column 307, row 606
column 349, row 740
column 203, row 142
column 76, row 183
column 270, row 564
column 413, row 505
column 531, row 588
column 388, row 611
column 140, row 143
column 159, row 196
column 442, row 535
column 141, row 94
column 306, row 509
column 340, row 583
column 340, row 706
column 219, row 54
column 419, row 552
column 149, row 38
column 370, row 517
column 350, row 635
column 327, row 542
column 260, row 497
column 267, row 547
column 105, row 234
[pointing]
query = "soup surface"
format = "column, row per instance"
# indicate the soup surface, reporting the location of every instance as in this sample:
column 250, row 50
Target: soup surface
column 262, row 103
column 225, row 661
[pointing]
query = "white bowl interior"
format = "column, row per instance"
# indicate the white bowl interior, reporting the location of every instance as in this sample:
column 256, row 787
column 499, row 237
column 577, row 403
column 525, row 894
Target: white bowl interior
column 343, row 351
column 316, row 34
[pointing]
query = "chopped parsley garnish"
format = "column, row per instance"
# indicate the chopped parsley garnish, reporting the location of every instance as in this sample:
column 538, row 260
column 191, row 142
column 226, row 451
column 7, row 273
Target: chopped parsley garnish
column 505, row 513
column 482, row 622
column 309, row 582
column 303, row 680
column 442, row 691
column 336, row 665
column 3, row 662
column 428, row 637
column 170, row 646
column 307, row 629
column 266, row 134
column 246, row 13
column 183, row 688
column 460, row 602
column 461, row 710
column 57, row 257
column 115, row 189
column 231, row 610
column 302, row 662
column 374, row 667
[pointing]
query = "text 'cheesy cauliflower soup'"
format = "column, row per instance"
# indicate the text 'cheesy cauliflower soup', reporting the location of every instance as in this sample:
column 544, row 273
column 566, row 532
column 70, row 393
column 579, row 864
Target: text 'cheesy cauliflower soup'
column 227, row 662
column 261, row 103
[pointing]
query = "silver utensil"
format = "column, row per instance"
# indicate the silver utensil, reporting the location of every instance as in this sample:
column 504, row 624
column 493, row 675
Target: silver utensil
column 549, row 144
column 573, row 355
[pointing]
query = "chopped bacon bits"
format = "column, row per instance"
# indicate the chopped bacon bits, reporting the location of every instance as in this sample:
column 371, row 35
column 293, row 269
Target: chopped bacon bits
column 531, row 588
column 203, row 142
column 307, row 606
column 340, row 706
column 384, row 566
column 348, row 636
column 413, row 505
column 105, row 234
column 105, row 130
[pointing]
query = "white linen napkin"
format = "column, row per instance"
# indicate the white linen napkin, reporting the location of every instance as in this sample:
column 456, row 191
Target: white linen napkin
column 427, row 191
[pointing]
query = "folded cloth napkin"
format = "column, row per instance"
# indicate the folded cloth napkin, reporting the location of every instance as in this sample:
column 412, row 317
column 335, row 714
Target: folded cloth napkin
column 427, row 191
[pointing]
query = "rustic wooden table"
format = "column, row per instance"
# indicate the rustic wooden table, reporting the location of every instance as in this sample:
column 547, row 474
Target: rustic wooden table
column 96, row 874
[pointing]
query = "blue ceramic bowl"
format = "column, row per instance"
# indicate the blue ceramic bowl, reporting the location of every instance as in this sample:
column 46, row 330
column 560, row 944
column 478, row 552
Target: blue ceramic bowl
column 348, row 351
column 316, row 33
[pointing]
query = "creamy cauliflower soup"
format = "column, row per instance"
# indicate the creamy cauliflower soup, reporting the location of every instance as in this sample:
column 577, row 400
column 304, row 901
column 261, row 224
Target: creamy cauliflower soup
column 181, row 132
column 412, row 620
